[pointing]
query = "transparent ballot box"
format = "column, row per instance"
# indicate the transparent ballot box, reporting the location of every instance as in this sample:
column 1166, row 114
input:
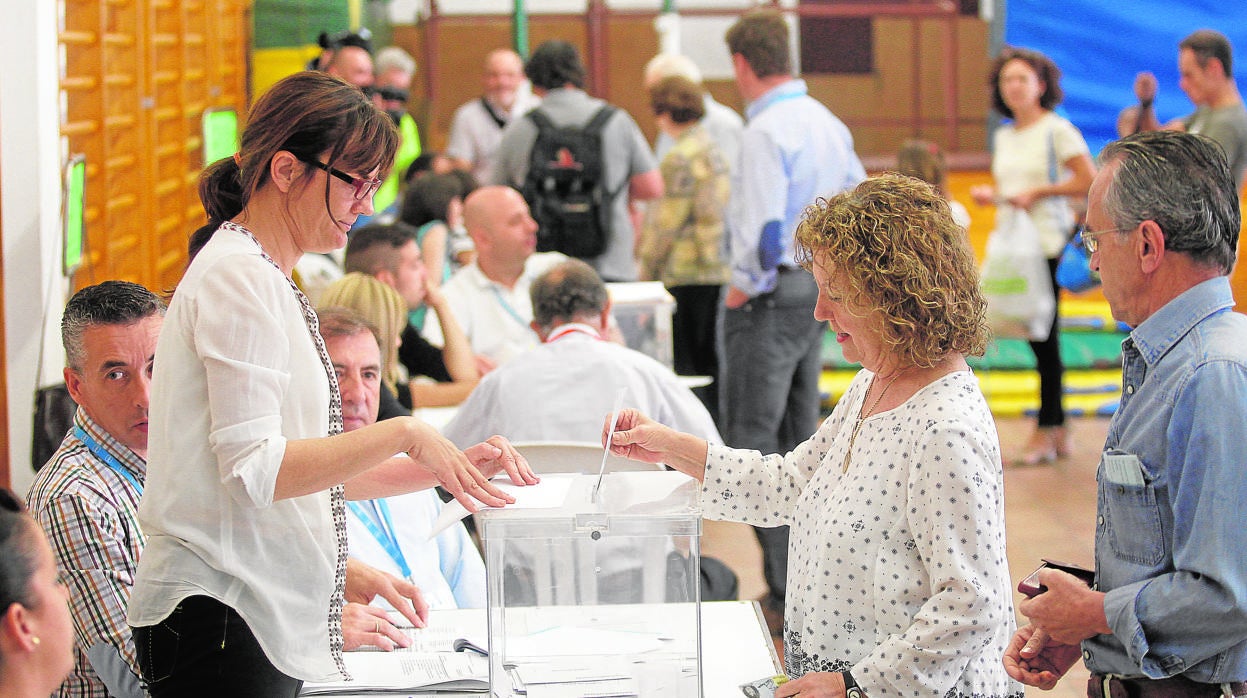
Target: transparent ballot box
column 643, row 311
column 599, row 596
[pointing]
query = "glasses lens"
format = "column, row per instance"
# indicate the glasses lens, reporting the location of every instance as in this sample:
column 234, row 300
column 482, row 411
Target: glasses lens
column 365, row 188
column 1088, row 241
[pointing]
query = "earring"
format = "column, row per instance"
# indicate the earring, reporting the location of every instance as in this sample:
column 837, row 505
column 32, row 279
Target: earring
column 35, row 640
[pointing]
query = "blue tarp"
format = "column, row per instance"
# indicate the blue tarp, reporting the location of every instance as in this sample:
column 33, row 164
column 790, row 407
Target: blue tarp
column 1100, row 45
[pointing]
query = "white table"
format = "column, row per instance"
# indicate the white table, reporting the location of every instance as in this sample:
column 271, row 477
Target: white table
column 736, row 648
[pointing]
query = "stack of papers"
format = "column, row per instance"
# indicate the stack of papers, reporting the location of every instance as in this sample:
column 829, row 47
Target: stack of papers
column 404, row 670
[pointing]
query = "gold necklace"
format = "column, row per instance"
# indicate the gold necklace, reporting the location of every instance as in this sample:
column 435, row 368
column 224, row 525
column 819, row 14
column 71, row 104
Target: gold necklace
column 864, row 415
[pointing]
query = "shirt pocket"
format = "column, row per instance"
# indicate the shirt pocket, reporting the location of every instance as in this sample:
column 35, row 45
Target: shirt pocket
column 1133, row 519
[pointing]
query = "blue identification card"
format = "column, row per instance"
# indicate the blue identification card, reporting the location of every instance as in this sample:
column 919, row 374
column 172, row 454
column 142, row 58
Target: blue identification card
column 1123, row 468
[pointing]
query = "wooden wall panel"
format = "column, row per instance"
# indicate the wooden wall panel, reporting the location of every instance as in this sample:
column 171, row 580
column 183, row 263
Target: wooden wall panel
column 137, row 77
column 903, row 97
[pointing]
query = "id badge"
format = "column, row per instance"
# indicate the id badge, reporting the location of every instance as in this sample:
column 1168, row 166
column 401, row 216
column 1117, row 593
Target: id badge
column 1123, row 468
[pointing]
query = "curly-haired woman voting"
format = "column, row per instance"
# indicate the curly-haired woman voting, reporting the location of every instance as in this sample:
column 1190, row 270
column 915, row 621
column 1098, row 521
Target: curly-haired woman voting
column 240, row 588
column 898, row 583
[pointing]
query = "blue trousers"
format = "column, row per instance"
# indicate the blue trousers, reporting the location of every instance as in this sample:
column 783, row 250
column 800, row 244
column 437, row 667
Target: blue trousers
column 769, row 400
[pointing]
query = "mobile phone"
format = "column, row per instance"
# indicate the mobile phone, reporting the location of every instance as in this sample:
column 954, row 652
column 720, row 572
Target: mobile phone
column 1032, row 588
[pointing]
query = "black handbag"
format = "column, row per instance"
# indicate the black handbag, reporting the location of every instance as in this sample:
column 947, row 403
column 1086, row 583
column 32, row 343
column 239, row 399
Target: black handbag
column 54, row 416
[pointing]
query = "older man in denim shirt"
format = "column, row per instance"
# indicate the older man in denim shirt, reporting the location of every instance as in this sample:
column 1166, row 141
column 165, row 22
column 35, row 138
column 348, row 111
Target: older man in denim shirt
column 1168, row 613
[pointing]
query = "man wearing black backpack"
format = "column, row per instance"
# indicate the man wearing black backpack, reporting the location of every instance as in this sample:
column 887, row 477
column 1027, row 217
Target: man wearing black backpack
column 578, row 161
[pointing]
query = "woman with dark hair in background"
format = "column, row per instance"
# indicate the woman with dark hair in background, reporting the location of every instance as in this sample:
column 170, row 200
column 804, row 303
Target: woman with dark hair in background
column 240, row 588
column 1039, row 163
column 36, row 631
column 433, row 205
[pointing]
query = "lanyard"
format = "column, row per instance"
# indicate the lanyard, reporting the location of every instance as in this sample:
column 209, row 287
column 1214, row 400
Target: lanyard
column 111, row 461
column 507, row 306
column 381, row 526
column 572, row 328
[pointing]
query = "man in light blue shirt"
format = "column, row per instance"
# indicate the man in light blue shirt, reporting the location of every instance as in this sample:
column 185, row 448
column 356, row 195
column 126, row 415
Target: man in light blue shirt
column 792, row 151
column 1168, row 612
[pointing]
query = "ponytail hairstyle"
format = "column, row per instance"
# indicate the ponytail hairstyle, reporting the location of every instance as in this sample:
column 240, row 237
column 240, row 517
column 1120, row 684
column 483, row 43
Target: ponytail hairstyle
column 312, row 115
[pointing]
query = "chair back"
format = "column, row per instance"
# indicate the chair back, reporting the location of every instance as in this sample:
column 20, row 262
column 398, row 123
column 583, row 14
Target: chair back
column 575, row 457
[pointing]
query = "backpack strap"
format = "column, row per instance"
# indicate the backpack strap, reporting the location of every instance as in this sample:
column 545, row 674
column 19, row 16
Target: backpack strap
column 502, row 123
column 598, row 122
column 539, row 118
column 594, row 128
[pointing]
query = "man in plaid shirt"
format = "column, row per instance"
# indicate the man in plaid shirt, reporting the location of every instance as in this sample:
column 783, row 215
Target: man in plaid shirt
column 86, row 497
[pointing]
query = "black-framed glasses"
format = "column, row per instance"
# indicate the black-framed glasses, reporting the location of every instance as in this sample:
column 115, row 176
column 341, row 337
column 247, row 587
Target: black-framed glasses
column 1090, row 240
column 364, row 188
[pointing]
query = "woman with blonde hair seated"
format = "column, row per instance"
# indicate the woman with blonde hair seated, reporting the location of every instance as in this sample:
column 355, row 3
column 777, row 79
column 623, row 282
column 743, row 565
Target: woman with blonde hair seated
column 452, row 368
column 36, row 631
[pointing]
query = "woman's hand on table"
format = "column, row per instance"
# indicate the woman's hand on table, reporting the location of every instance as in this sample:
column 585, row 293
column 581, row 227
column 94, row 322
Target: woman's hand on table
column 369, row 626
column 365, row 583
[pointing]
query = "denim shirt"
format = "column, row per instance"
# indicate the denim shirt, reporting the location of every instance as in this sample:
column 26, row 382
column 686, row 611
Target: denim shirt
column 792, row 151
column 1172, row 553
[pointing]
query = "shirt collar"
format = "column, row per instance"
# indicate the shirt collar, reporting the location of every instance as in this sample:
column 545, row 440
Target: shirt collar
column 478, row 278
column 786, row 90
column 564, row 95
column 118, row 450
column 1156, row 335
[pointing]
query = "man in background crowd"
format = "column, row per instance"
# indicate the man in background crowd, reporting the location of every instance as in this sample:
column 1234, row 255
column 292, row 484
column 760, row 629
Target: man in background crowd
column 476, row 129
column 630, row 171
column 772, row 343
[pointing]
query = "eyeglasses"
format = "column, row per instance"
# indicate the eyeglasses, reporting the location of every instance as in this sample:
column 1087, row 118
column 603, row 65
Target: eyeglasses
column 1091, row 240
column 364, row 188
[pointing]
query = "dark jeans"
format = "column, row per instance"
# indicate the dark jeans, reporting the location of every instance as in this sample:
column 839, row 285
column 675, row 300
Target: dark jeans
column 204, row 648
column 1048, row 363
column 772, row 358
column 694, row 339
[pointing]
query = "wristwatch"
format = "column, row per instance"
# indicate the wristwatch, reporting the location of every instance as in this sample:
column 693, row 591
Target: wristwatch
column 851, row 689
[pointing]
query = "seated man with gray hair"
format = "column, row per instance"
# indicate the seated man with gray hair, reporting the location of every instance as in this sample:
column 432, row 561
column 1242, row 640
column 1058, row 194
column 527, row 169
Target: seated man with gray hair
column 563, row 389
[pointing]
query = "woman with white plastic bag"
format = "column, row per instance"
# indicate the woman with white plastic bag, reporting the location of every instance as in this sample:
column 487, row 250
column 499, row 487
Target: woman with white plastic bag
column 1039, row 161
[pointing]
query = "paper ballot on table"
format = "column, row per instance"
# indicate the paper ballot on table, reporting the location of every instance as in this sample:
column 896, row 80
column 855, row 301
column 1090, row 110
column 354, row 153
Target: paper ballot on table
column 551, row 492
column 404, row 670
column 628, row 493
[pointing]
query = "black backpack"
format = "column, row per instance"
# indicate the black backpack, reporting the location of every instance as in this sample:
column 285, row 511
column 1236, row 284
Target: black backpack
column 565, row 187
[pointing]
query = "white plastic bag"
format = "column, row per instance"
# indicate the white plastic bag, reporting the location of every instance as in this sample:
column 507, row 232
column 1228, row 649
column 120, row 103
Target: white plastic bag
column 1016, row 280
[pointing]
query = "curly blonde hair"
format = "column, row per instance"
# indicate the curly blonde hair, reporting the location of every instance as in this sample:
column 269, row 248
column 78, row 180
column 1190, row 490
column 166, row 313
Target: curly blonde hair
column 381, row 306
column 907, row 266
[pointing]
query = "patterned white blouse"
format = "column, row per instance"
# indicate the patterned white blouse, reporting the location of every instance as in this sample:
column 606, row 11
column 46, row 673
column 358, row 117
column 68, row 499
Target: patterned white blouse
column 897, row 567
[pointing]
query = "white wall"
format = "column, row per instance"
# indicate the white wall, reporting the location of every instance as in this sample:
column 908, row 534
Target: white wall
column 30, row 163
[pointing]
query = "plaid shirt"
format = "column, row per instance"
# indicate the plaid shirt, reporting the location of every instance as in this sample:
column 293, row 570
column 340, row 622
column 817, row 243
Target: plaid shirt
column 90, row 515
